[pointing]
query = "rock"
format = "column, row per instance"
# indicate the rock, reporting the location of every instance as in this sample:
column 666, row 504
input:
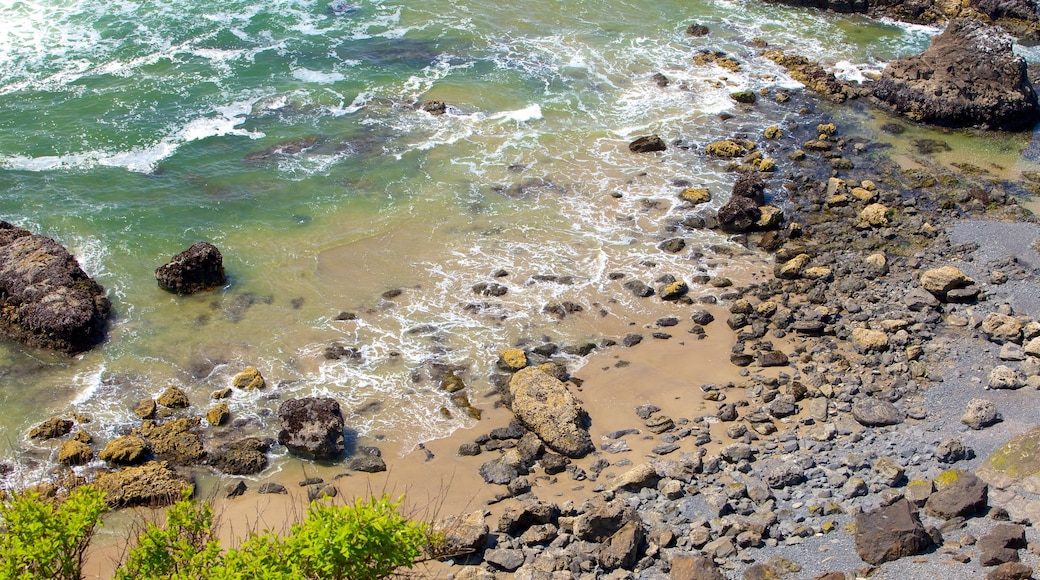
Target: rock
column 175, row 440
column 647, row 144
column 312, row 428
column 939, row 281
column 1011, row 571
column 694, row 567
column 697, row 30
column 738, row 215
column 514, row 359
column 636, row 478
column 968, row 76
column 75, row 453
column 872, row 412
column 505, row 559
column 218, row 414
column 622, row 549
column 866, row 340
column 153, row 484
column 1001, row 328
column 243, row 457
column 809, row 73
column 544, row 405
column 603, row 519
column 638, row 288
column 771, row 219
column 888, row 471
column 696, row 195
column 127, row 450
column 919, row 300
column 174, row 398
column 725, row 148
column 874, row 215
column 236, row 489
column 960, row 494
column 744, row 97
column 367, row 464
column 463, row 534
column 673, row 245
column 51, row 429
column 518, row 517
column 46, row 300
column 751, row 186
column 952, row 450
column 1001, row 544
column 198, row 268
column 793, row 268
column 145, row 409
column 783, row 475
column 249, row 379
column 502, row 469
column 269, row 487
column 889, row 533
column 979, row 414
column 1005, row 377
column 773, row 358
column 673, row 291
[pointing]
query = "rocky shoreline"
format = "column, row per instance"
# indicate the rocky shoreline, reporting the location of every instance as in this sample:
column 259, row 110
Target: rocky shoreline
column 877, row 372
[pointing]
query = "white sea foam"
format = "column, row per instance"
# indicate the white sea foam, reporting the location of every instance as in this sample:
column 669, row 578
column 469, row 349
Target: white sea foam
column 319, row 77
column 531, row 112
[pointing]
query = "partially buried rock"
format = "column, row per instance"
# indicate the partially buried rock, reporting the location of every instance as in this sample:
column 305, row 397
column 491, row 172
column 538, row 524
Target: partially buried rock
column 872, row 412
column 312, row 428
column 968, row 76
column 544, row 405
column 46, row 299
column 890, row 533
column 367, row 464
column 243, row 457
column 648, row 144
column 198, row 268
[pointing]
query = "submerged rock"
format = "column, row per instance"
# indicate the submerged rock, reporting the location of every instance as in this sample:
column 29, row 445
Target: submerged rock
column 968, row 77
column 46, row 299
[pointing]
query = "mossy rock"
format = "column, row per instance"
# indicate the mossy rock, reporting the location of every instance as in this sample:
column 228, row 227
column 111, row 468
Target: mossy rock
column 153, row 484
column 145, row 409
column 512, row 359
column 696, row 195
column 948, row 478
column 174, row 398
column 218, row 414
column 773, row 132
column 51, row 428
column 249, row 379
column 126, row 450
column 726, row 148
column 1018, row 458
column 744, row 97
column 74, row 453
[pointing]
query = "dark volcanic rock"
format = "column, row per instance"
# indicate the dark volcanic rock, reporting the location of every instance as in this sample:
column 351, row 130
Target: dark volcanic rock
column 243, row 457
column 890, row 533
column 46, row 300
column 1001, row 544
column 312, row 427
column 198, row 268
column 751, row 186
column 965, row 495
column 969, row 76
column 647, row 144
column 739, row 215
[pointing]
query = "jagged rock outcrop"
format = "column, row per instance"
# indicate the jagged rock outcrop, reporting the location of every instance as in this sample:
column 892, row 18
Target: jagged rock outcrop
column 46, row 299
column 198, row 268
column 968, row 77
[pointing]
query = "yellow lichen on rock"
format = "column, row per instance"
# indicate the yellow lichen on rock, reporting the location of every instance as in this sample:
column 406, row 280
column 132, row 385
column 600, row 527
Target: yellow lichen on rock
column 696, row 195
column 249, row 379
column 726, row 148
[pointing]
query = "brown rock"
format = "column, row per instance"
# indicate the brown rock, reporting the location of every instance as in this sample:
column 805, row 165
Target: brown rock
column 127, row 450
column 74, row 453
column 152, row 484
column 174, row 398
column 544, row 405
column 889, row 533
column 249, row 379
column 51, row 428
column 198, row 268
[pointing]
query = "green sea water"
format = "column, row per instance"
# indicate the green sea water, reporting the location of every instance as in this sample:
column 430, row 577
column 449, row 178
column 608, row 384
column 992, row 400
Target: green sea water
column 129, row 131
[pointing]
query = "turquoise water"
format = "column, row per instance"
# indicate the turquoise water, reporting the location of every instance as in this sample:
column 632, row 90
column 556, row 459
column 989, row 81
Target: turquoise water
column 128, row 131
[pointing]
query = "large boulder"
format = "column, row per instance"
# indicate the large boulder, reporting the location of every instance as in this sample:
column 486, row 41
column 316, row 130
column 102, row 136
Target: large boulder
column 968, row 77
column 889, row 533
column 198, row 268
column 46, row 299
column 152, row 484
column 312, row 428
column 543, row 404
column 243, row 457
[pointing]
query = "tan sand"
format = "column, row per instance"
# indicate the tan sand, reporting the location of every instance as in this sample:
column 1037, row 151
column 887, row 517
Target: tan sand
column 667, row 373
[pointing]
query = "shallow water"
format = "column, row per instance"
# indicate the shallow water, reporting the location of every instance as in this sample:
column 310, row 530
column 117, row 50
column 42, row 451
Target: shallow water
column 129, row 132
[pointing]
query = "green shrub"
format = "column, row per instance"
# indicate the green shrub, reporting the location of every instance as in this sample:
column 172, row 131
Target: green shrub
column 40, row 539
column 184, row 547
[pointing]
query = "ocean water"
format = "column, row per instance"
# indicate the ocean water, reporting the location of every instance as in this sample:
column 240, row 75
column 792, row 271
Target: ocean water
column 130, row 130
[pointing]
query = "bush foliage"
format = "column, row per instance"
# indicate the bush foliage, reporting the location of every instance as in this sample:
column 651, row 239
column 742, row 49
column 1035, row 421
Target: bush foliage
column 365, row 541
